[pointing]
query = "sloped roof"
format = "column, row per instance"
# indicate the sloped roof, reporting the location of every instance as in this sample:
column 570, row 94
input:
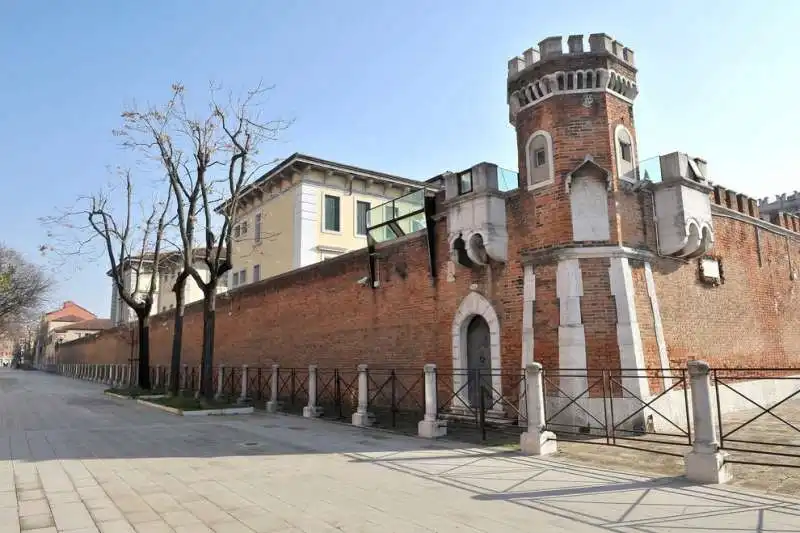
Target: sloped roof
column 303, row 159
column 69, row 318
column 95, row 324
column 65, row 305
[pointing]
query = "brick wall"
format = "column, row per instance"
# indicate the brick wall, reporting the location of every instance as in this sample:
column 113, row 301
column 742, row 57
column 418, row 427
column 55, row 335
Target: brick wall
column 321, row 315
column 749, row 320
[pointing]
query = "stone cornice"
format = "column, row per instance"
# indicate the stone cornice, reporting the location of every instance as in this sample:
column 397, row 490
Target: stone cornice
column 572, row 82
column 554, row 255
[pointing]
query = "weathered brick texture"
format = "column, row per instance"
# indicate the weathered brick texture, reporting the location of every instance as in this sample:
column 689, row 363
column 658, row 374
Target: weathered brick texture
column 752, row 319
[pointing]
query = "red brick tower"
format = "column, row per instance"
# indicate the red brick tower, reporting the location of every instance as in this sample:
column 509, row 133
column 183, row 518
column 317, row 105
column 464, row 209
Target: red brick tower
column 573, row 113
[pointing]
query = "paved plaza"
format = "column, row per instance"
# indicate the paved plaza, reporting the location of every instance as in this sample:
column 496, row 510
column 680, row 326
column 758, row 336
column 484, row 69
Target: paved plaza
column 73, row 460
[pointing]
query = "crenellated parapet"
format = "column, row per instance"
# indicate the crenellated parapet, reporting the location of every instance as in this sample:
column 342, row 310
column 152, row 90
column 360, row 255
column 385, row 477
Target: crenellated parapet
column 541, row 73
column 736, row 201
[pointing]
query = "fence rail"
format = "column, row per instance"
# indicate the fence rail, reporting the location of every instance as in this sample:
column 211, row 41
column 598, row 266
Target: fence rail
column 645, row 409
column 759, row 425
column 755, row 412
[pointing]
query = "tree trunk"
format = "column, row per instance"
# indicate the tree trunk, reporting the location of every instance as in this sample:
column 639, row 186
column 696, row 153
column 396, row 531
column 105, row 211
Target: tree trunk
column 144, row 351
column 209, row 321
column 177, row 340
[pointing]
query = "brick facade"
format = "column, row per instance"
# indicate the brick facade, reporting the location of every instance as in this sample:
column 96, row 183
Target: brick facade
column 322, row 315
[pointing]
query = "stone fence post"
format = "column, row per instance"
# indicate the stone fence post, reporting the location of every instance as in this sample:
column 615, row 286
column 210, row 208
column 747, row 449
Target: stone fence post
column 312, row 410
column 220, row 381
column 185, row 378
column 362, row 417
column 430, row 426
column 272, row 404
column 536, row 440
column 705, row 463
column 243, row 386
column 157, row 380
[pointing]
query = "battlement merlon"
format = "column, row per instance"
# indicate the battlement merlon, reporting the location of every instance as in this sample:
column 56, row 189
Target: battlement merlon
column 551, row 47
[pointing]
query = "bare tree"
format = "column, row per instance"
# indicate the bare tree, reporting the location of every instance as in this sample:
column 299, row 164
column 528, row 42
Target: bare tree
column 23, row 288
column 159, row 132
column 132, row 243
column 191, row 150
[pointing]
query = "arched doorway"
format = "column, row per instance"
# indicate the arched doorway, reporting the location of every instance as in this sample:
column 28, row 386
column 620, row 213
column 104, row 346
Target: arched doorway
column 476, row 334
column 479, row 362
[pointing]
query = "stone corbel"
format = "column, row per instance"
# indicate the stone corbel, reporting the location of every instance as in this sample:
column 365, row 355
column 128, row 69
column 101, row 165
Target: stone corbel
column 698, row 240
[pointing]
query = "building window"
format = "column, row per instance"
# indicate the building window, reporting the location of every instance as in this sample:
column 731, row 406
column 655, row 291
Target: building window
column 235, row 279
column 242, row 277
column 539, row 157
column 256, row 273
column 244, row 228
column 236, row 231
column 362, row 212
column 625, row 151
column 626, row 154
column 257, row 228
column 332, row 213
column 465, row 182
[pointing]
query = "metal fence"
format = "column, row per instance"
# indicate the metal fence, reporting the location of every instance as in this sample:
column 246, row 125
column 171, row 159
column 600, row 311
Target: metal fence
column 758, row 413
column 646, row 409
column 756, row 410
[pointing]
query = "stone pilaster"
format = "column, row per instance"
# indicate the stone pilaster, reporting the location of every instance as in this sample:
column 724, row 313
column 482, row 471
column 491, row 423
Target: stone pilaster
column 571, row 335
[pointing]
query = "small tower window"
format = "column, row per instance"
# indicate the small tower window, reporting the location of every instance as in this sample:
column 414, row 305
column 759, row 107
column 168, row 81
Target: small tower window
column 539, row 154
column 540, row 158
column 465, row 183
column 625, row 152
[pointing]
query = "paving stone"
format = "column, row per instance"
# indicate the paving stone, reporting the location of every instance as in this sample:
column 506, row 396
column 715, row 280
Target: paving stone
column 106, row 466
column 159, row 526
column 35, row 521
column 179, row 518
column 138, row 517
column 230, row 527
column 71, row 516
column 193, row 528
column 25, row 495
column 33, row 507
column 106, row 514
column 115, row 526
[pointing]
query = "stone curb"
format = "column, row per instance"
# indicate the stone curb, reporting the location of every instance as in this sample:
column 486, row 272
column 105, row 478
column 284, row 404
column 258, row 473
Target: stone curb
column 199, row 412
column 143, row 397
column 120, row 396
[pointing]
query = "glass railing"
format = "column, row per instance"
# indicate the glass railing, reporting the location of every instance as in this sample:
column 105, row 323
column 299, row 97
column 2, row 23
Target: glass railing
column 507, row 180
column 650, row 169
column 400, row 211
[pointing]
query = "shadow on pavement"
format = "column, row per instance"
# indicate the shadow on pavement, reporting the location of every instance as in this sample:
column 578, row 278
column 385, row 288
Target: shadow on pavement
column 46, row 417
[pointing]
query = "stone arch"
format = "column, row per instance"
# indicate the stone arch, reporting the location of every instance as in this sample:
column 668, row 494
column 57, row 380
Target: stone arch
column 475, row 304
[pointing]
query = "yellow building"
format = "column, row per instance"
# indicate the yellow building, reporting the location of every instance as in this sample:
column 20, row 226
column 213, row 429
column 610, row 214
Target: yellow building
column 305, row 210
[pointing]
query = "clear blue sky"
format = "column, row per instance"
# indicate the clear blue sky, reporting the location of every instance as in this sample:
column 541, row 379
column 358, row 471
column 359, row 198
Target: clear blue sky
column 408, row 87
